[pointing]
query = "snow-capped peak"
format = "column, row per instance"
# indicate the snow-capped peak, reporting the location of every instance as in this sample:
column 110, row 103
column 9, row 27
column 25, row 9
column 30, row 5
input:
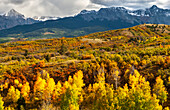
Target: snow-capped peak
column 14, row 13
column 154, row 7
column 139, row 12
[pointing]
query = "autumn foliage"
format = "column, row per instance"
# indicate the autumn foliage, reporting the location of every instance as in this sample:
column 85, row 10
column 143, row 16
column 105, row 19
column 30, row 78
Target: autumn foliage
column 111, row 70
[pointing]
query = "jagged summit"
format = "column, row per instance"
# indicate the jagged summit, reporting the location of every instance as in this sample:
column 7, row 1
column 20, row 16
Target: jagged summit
column 86, row 11
column 113, row 13
column 13, row 18
column 154, row 7
column 14, row 13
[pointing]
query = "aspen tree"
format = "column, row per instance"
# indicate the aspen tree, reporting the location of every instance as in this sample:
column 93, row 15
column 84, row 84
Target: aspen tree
column 160, row 90
column 1, row 103
column 71, row 92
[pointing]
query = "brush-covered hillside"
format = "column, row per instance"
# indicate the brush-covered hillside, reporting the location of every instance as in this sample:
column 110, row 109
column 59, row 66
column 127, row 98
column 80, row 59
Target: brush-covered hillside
column 118, row 69
column 145, row 30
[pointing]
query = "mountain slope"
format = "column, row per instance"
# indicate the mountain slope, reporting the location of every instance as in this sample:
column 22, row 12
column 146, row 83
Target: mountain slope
column 70, row 24
column 91, row 21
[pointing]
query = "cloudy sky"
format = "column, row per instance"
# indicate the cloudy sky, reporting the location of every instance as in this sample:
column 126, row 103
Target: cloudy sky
column 71, row 7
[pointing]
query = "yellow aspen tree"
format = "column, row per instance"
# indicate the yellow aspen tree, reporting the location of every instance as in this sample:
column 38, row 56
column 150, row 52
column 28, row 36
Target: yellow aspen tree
column 16, row 82
column 5, row 85
column 99, row 90
column 121, row 95
column 13, row 94
column 166, row 108
column 9, row 108
column 71, row 92
column 1, row 103
column 139, row 95
column 160, row 90
column 96, row 94
column 101, row 96
column 39, row 88
column 49, row 88
column 57, row 92
column 1, row 87
column 50, row 85
column 111, row 100
column 25, row 90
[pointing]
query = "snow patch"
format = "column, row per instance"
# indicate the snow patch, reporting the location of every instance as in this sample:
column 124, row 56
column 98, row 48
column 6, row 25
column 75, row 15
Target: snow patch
column 45, row 18
column 167, row 14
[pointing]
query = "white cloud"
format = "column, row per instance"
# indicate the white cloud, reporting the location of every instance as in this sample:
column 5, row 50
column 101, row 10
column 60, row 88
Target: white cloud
column 93, row 6
column 44, row 7
column 133, row 4
column 72, row 7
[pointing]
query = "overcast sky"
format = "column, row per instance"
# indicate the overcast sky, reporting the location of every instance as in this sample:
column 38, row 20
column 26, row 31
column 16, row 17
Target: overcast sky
column 71, row 7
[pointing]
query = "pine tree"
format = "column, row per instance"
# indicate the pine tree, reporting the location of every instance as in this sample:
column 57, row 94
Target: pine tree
column 63, row 48
column 26, row 53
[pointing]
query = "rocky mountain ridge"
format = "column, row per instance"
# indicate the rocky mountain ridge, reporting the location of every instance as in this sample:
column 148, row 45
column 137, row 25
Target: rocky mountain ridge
column 87, row 22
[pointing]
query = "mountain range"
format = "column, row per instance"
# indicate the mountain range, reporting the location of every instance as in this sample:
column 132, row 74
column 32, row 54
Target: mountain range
column 90, row 21
column 14, row 18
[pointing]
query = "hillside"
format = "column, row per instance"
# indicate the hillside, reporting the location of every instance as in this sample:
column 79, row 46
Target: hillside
column 145, row 30
column 117, row 69
column 87, row 22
